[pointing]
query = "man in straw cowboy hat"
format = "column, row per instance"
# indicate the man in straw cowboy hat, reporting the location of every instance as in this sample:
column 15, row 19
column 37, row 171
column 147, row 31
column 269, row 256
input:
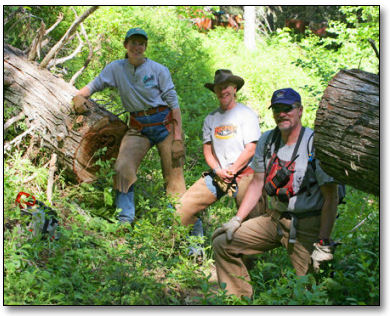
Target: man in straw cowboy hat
column 230, row 134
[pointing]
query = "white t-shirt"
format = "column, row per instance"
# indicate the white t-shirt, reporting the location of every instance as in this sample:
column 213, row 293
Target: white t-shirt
column 229, row 131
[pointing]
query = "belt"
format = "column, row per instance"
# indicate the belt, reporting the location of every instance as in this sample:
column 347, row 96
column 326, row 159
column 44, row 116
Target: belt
column 149, row 111
column 294, row 221
column 139, row 126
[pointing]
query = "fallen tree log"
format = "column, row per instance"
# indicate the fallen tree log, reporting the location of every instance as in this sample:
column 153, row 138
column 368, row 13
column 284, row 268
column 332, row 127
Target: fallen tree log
column 347, row 130
column 46, row 100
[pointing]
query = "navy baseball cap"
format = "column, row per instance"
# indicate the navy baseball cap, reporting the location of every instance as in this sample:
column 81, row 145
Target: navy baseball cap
column 285, row 96
column 136, row 31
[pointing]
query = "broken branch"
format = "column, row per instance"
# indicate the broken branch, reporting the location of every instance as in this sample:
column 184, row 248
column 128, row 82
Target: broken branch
column 18, row 139
column 13, row 120
column 50, row 181
column 50, row 55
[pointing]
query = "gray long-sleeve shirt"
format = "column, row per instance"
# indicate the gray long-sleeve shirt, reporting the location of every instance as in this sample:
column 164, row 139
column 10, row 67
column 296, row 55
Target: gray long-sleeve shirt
column 149, row 85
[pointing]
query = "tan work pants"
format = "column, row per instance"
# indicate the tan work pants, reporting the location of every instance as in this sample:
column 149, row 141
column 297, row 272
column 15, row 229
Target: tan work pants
column 256, row 236
column 198, row 197
column 133, row 149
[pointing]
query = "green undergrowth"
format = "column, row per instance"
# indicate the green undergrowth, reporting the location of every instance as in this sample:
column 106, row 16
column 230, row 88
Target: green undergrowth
column 95, row 261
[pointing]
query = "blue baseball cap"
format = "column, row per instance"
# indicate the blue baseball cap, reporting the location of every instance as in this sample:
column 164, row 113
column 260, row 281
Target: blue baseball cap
column 136, row 31
column 285, row 96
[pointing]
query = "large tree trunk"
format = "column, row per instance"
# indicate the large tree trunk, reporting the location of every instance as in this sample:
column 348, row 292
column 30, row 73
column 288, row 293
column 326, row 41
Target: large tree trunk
column 347, row 130
column 47, row 102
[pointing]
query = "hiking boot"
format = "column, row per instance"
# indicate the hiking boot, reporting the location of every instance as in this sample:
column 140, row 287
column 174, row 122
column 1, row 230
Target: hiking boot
column 197, row 253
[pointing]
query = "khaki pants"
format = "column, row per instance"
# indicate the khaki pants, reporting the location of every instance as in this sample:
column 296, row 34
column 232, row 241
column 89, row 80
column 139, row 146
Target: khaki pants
column 133, row 149
column 198, row 197
column 256, row 236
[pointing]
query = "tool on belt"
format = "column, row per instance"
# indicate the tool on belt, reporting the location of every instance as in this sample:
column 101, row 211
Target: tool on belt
column 227, row 188
column 43, row 219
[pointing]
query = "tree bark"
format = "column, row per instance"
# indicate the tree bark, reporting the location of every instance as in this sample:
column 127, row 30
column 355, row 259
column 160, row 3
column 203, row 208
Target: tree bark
column 47, row 102
column 347, row 130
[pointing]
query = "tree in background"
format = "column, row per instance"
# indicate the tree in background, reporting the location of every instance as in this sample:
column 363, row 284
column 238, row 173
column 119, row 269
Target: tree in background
column 250, row 27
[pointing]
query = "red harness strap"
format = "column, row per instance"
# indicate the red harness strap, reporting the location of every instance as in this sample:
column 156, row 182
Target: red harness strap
column 248, row 170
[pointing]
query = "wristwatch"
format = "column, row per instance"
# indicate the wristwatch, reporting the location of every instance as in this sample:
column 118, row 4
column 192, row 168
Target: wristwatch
column 324, row 242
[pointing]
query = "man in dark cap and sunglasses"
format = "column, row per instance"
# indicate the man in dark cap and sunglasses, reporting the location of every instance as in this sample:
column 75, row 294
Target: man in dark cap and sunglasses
column 230, row 134
column 302, row 202
column 148, row 94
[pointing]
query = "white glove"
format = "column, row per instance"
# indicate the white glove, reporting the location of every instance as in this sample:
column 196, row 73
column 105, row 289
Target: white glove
column 321, row 253
column 229, row 228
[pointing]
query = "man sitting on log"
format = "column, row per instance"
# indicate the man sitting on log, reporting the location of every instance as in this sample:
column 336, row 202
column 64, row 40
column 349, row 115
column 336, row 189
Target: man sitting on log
column 147, row 92
column 303, row 202
column 230, row 134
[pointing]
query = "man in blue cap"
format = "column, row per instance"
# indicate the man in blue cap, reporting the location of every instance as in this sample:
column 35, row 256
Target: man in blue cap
column 148, row 94
column 299, row 192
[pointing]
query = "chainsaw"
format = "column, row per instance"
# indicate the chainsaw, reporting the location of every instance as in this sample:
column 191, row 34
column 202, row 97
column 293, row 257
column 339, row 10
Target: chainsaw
column 43, row 219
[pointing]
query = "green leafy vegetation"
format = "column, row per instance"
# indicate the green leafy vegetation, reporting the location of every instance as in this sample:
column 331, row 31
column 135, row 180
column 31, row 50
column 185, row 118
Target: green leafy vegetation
column 95, row 261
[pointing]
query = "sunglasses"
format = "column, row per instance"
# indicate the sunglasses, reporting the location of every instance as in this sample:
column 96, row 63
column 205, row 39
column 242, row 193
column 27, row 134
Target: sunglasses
column 285, row 108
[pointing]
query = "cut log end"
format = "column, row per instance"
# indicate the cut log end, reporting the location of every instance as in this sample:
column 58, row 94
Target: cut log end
column 347, row 130
column 108, row 136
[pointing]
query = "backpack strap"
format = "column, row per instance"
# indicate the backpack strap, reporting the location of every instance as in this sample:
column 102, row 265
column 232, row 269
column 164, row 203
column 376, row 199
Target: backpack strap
column 305, row 186
column 341, row 190
column 271, row 138
column 310, row 152
column 277, row 139
column 294, row 154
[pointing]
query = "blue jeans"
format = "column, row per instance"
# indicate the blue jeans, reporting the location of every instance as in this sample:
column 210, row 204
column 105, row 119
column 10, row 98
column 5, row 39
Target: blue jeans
column 125, row 202
column 157, row 133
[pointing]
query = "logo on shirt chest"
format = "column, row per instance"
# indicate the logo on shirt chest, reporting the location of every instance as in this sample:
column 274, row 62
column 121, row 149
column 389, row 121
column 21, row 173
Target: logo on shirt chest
column 148, row 81
column 225, row 132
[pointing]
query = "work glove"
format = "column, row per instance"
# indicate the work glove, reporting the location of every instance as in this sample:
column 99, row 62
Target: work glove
column 81, row 104
column 178, row 153
column 229, row 228
column 321, row 253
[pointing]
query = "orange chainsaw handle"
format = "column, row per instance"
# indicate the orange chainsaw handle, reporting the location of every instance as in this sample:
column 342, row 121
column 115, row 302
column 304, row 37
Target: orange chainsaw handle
column 20, row 194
